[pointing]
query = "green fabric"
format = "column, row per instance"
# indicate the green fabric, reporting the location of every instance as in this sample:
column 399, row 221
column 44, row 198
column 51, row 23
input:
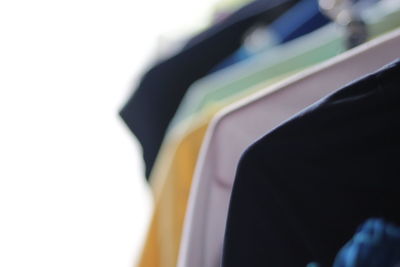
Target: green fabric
column 291, row 65
column 210, row 100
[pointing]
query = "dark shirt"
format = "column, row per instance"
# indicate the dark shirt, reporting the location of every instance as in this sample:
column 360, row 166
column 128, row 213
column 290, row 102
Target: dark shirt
column 160, row 91
column 302, row 190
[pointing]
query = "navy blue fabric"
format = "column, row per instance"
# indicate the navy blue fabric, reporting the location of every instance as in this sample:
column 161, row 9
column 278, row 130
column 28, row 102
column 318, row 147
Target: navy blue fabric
column 154, row 102
column 376, row 244
column 301, row 19
column 302, row 190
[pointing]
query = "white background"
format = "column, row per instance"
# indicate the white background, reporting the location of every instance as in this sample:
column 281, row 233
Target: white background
column 71, row 186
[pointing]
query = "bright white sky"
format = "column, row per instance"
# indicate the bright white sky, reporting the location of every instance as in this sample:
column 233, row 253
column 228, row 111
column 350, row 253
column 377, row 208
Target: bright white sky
column 71, row 187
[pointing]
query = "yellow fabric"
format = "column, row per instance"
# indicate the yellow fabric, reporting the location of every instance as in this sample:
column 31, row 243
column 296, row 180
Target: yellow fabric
column 171, row 180
column 162, row 244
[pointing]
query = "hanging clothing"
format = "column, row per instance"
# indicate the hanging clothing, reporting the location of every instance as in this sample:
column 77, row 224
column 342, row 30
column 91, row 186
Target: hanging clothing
column 308, row 184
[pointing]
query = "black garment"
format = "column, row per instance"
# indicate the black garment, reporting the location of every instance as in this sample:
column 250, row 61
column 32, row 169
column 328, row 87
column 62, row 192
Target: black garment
column 302, row 190
column 155, row 101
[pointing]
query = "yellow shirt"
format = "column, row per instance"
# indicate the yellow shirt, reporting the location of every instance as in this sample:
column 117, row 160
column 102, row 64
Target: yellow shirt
column 162, row 244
